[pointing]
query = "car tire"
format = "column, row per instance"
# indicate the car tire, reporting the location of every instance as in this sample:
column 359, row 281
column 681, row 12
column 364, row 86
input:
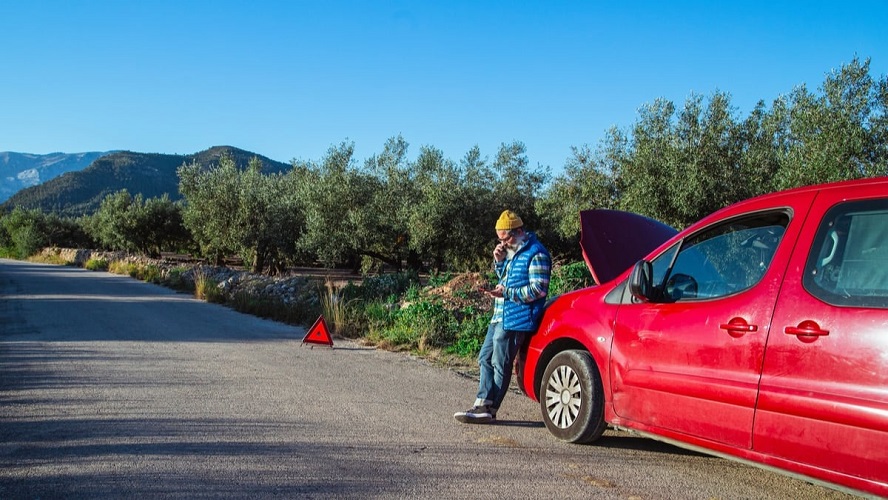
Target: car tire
column 572, row 399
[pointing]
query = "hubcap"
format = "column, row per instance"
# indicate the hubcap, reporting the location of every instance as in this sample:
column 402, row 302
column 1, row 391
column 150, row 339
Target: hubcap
column 563, row 397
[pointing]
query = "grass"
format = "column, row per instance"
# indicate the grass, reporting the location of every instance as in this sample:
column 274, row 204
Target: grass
column 339, row 313
column 145, row 272
column 96, row 265
column 471, row 335
column 49, row 258
column 206, row 288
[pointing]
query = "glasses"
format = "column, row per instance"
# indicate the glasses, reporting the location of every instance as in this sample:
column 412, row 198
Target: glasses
column 507, row 238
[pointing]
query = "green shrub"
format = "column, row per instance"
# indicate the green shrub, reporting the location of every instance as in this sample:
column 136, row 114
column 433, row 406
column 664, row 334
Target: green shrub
column 150, row 273
column 396, row 336
column 28, row 241
column 378, row 315
column 439, row 279
column 176, row 281
column 424, row 324
column 144, row 272
column 413, row 293
column 96, row 265
column 569, row 277
column 386, row 285
column 471, row 335
column 271, row 308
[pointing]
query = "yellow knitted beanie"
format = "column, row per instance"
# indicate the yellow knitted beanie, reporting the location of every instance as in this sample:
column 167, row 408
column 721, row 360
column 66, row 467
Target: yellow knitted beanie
column 508, row 220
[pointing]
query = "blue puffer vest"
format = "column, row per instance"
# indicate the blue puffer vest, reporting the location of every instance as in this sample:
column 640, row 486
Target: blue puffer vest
column 522, row 317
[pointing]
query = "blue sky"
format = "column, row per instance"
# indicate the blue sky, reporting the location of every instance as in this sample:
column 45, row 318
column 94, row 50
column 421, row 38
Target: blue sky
column 288, row 79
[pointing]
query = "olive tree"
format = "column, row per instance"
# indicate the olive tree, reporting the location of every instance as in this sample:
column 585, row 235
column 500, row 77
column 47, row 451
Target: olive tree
column 704, row 165
column 126, row 222
column 241, row 212
column 590, row 180
column 838, row 134
column 516, row 184
column 434, row 216
column 334, row 195
column 475, row 217
column 24, row 232
column 211, row 206
column 764, row 135
column 386, row 235
column 650, row 164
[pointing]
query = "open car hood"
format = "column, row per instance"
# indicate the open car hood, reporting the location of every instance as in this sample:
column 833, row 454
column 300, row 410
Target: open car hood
column 613, row 241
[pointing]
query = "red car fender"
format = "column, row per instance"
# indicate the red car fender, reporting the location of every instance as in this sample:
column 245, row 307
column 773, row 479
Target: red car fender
column 572, row 321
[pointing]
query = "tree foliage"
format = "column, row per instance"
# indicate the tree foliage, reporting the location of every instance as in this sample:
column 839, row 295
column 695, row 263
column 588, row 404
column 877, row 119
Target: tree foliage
column 126, row 222
column 24, row 232
column 676, row 163
column 680, row 164
column 333, row 195
column 246, row 213
column 431, row 213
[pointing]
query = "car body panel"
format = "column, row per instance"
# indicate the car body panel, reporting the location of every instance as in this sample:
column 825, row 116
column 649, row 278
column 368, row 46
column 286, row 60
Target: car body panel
column 824, row 398
column 576, row 320
column 681, row 355
column 684, row 371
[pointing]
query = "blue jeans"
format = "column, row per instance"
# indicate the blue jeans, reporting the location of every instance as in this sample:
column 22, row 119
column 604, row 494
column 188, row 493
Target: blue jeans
column 495, row 360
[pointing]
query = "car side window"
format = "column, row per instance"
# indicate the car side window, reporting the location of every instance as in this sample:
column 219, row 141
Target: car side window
column 721, row 260
column 848, row 261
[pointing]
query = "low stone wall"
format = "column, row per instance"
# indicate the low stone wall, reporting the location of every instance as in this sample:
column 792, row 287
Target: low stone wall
column 289, row 289
column 80, row 256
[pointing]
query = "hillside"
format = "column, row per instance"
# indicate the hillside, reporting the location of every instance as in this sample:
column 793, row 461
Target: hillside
column 22, row 170
column 148, row 174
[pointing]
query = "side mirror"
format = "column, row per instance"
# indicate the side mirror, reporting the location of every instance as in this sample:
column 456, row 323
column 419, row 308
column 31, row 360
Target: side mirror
column 641, row 281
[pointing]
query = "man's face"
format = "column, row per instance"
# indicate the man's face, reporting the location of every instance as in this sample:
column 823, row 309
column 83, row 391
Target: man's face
column 511, row 239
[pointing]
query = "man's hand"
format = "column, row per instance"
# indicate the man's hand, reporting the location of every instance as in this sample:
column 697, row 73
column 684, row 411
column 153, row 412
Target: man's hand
column 496, row 292
column 499, row 253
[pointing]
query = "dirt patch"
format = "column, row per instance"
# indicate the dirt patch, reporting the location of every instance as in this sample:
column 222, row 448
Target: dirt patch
column 464, row 291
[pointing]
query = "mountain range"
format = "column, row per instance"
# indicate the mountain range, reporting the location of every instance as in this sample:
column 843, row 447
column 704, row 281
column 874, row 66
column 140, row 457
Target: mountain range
column 78, row 191
column 22, row 170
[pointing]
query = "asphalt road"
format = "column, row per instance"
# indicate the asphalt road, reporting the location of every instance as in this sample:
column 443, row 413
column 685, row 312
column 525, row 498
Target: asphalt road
column 113, row 388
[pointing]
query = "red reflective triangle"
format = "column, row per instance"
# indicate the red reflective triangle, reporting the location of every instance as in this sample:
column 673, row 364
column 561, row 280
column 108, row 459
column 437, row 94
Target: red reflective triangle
column 318, row 333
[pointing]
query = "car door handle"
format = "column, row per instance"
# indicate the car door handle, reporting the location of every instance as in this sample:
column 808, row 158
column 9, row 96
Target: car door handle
column 807, row 329
column 737, row 327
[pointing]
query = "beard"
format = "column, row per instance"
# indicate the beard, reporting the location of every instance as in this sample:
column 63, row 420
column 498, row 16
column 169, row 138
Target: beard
column 512, row 249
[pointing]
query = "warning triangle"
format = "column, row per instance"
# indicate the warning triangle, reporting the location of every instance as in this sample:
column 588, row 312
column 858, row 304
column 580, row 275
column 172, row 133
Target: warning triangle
column 318, row 333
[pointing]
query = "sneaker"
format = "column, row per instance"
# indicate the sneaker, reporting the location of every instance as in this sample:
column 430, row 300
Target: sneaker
column 476, row 415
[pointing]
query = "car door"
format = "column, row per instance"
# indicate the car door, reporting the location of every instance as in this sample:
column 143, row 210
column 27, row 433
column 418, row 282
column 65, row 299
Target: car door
column 824, row 389
column 691, row 363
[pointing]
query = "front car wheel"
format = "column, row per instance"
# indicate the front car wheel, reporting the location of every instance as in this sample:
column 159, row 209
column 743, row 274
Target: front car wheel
column 572, row 398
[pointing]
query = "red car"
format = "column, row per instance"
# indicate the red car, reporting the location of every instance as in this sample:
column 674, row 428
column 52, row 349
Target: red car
column 759, row 333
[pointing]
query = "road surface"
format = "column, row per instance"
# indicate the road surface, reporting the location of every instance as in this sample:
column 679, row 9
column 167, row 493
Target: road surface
column 114, row 388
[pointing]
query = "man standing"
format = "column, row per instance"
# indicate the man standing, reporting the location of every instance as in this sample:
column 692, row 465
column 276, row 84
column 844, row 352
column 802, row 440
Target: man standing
column 523, row 267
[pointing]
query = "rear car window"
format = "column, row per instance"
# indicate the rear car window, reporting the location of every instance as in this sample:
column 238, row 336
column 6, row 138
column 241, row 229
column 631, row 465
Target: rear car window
column 848, row 262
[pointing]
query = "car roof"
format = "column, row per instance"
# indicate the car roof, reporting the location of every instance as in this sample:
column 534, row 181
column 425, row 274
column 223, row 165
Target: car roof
column 776, row 196
column 612, row 241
